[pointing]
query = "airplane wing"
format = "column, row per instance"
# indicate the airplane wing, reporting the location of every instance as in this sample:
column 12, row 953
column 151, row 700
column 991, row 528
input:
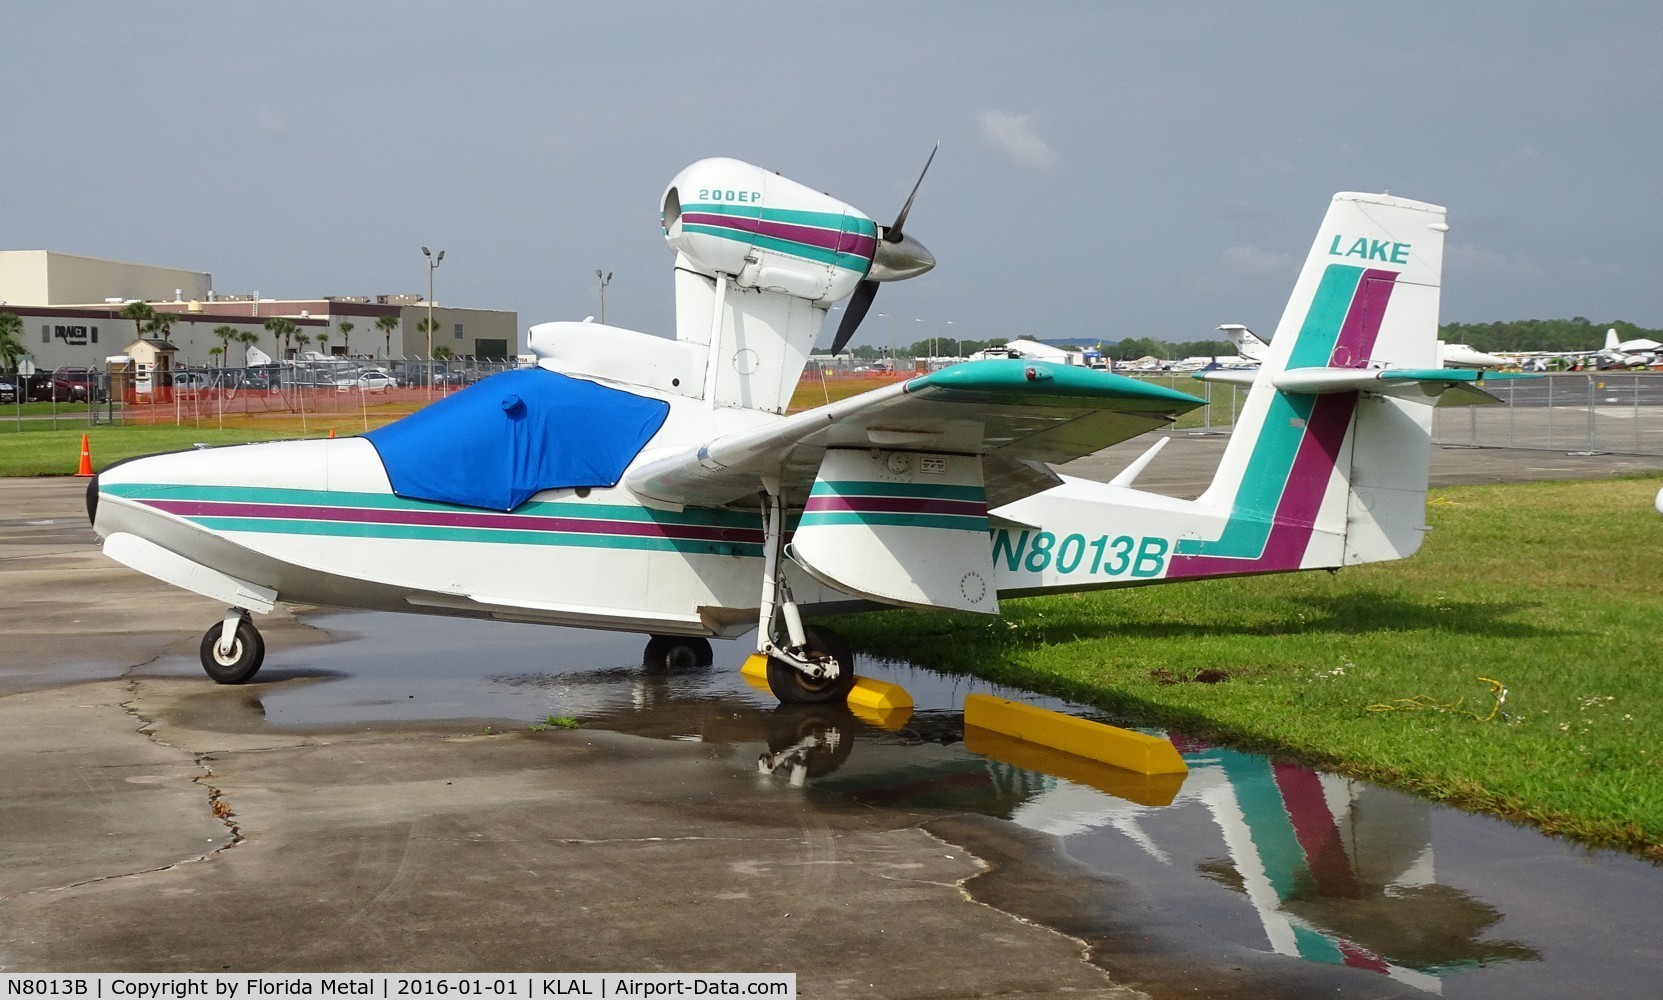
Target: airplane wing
column 1019, row 416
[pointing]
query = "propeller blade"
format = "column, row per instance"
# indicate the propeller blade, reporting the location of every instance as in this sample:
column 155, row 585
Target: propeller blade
column 853, row 313
column 893, row 233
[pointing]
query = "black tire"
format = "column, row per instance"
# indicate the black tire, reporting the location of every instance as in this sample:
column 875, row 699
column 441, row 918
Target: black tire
column 676, row 653
column 791, row 687
column 836, row 728
column 248, row 652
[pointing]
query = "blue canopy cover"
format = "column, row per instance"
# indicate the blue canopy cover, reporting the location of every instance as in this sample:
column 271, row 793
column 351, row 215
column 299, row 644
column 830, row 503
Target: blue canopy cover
column 500, row 441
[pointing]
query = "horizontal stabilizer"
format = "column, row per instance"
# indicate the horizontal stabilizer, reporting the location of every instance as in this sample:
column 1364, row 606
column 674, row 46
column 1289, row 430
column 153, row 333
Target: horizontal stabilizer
column 1433, row 386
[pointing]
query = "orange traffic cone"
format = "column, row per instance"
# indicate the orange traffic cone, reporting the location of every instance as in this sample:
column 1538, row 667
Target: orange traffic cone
column 85, row 471
column 331, row 432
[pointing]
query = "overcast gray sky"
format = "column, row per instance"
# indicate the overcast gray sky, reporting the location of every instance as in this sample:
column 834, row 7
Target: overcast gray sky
column 1107, row 169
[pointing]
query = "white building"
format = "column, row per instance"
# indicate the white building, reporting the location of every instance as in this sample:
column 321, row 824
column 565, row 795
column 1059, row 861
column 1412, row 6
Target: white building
column 71, row 312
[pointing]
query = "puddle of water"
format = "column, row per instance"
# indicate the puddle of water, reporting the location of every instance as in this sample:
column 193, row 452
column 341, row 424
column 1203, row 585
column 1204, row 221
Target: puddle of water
column 1244, row 855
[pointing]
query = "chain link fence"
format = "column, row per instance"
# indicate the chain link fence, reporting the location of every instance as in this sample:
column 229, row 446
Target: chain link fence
column 201, row 395
column 1587, row 412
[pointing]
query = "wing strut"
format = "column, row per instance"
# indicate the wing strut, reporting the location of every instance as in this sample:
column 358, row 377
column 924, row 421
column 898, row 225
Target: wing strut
column 711, row 368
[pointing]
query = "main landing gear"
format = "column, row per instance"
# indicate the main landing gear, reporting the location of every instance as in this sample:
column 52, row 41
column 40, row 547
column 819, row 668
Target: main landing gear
column 806, row 666
column 232, row 651
column 675, row 653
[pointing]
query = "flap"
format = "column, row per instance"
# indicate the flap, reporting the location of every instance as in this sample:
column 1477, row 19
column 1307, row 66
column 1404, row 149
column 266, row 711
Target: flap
column 1019, row 416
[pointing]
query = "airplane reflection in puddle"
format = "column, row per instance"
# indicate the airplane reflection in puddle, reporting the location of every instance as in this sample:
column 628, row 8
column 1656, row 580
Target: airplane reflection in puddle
column 1335, row 871
column 1338, row 871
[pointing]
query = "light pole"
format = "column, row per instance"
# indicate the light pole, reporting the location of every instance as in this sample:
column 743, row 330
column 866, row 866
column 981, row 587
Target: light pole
column 432, row 263
column 955, row 341
column 604, row 280
column 932, row 343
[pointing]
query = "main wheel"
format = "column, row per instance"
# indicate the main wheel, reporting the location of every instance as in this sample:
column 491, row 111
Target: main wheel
column 248, row 651
column 792, row 687
column 829, row 731
column 674, row 653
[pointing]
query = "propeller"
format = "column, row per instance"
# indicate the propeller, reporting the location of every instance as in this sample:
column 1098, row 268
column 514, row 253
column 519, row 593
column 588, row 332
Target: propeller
column 897, row 256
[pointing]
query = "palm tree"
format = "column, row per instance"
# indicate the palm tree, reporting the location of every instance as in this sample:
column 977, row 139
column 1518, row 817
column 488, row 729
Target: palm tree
column 442, row 353
column 303, row 339
column 282, row 328
column 226, row 334
column 247, row 338
column 323, row 342
column 387, row 324
column 11, row 341
column 429, row 327
column 345, row 328
column 143, row 317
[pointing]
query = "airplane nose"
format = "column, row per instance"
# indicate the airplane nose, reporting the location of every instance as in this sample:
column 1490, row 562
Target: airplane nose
column 92, row 500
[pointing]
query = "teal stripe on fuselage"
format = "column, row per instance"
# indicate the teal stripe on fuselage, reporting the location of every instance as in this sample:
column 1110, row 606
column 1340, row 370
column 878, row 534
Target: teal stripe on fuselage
column 1321, row 330
column 499, row 536
column 1262, row 485
column 917, row 491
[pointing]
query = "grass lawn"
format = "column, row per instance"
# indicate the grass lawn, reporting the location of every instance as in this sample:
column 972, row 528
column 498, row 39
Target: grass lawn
column 1553, row 589
column 39, row 450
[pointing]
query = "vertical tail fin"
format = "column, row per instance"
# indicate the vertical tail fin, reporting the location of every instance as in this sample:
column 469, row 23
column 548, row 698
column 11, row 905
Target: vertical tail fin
column 1332, row 477
column 1248, row 344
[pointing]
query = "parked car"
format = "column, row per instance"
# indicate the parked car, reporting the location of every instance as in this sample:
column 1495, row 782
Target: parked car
column 8, row 392
column 193, row 381
column 76, row 385
column 37, row 388
column 368, row 380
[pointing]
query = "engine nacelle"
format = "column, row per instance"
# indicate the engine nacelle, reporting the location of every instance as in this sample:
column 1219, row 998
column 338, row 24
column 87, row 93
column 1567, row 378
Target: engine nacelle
column 767, row 232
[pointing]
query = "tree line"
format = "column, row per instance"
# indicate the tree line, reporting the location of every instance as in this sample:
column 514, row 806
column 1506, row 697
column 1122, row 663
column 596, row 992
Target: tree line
column 1576, row 334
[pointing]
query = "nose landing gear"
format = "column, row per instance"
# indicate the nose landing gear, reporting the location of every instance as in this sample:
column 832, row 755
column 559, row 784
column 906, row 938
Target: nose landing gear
column 232, row 651
column 792, row 686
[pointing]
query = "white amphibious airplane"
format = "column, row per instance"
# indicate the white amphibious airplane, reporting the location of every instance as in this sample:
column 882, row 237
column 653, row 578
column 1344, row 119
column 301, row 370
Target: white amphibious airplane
column 642, row 484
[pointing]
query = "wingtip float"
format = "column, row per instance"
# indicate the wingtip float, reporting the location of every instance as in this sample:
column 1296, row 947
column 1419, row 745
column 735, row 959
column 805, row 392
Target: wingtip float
column 637, row 483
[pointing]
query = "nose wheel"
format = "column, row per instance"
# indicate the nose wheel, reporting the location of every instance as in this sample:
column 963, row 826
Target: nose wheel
column 232, row 650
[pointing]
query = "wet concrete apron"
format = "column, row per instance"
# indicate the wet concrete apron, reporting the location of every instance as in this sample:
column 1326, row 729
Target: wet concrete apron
column 1251, row 878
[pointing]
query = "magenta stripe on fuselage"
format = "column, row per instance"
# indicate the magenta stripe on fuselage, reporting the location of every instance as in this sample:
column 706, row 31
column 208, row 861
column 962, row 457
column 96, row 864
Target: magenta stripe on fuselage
column 1362, row 321
column 1296, row 515
column 894, row 505
column 828, row 239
